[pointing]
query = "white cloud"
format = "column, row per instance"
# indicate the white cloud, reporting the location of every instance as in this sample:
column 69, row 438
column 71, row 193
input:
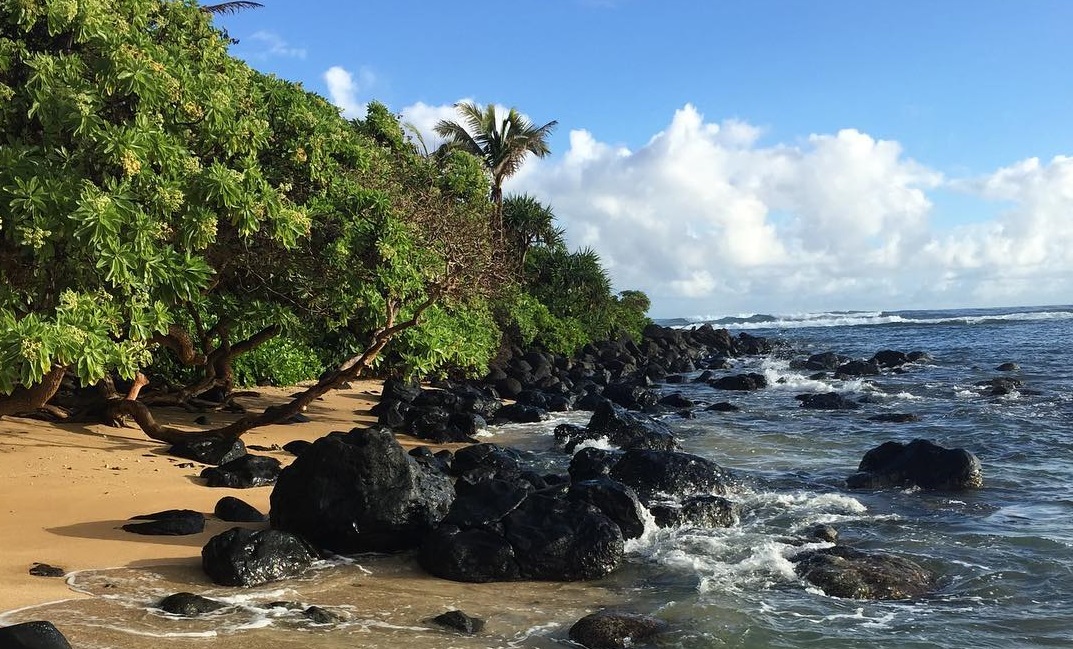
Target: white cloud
column 343, row 89
column 422, row 118
column 270, row 44
column 704, row 215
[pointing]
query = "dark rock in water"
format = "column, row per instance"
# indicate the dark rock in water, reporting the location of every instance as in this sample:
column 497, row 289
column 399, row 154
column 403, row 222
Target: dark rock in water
column 474, row 556
column 676, row 400
column 32, row 635
column 562, row 540
column 858, row 368
column 889, row 358
column 243, row 557
column 209, row 450
column 631, row 395
column 591, row 463
column 321, row 615
column 625, row 429
column 823, row 361
column 617, row 501
column 493, row 458
column 697, row 511
column 740, row 382
column 920, row 463
column 615, row 630
column 243, row 473
column 544, row 538
column 521, row 414
column 202, row 420
column 234, row 510
column 1001, row 386
column 45, row 570
column 895, row 417
column 844, row 572
column 751, row 345
column 459, row 621
column 1008, row 367
column 189, row 605
column 822, row 532
column 174, row 522
column 654, row 473
column 296, row 447
column 360, row 493
column 722, row 406
column 826, row 401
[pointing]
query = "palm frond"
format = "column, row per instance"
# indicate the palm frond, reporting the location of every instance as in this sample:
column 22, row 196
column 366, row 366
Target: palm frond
column 230, row 7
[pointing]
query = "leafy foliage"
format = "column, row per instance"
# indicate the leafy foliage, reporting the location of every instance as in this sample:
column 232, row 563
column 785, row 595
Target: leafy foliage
column 155, row 190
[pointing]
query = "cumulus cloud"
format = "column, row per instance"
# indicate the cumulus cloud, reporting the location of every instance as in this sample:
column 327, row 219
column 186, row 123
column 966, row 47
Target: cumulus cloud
column 343, row 89
column 269, row 44
column 706, row 219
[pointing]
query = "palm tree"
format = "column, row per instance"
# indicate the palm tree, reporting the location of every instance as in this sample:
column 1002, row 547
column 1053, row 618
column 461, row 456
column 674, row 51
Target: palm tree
column 502, row 144
column 527, row 223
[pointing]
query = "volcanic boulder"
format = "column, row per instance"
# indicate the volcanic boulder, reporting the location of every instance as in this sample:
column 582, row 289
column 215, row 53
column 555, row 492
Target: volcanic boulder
column 920, row 463
column 360, row 492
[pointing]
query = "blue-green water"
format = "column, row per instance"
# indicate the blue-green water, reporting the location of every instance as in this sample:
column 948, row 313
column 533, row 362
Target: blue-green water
column 1004, row 552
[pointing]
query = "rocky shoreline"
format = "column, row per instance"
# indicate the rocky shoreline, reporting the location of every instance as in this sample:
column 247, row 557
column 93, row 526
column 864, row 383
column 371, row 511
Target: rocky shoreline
column 479, row 514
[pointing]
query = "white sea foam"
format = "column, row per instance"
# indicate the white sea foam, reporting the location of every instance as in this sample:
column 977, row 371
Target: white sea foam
column 866, row 318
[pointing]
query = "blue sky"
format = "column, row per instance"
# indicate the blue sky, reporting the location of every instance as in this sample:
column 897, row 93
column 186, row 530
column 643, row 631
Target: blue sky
column 734, row 157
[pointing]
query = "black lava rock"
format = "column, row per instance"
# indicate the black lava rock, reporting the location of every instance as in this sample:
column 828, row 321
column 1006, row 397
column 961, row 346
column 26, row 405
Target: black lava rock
column 209, row 450
column 670, row 473
column 826, row 401
column 243, row 473
column 45, row 570
column 33, row 635
column 360, row 493
column 173, row 522
column 740, row 382
column 920, row 463
column 615, row 630
column 243, row 557
column 844, row 572
column 459, row 621
column 189, row 605
column 234, row 510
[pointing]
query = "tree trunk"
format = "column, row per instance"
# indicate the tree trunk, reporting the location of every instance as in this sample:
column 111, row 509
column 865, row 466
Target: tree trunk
column 26, row 400
column 348, row 371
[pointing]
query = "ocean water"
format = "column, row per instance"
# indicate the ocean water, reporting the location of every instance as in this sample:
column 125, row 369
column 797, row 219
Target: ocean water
column 1004, row 553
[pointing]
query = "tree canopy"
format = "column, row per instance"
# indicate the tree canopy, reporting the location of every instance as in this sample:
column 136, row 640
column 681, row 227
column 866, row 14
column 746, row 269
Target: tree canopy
column 502, row 143
column 158, row 191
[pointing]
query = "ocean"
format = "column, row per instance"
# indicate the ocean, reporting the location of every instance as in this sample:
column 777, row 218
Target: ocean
column 1004, row 553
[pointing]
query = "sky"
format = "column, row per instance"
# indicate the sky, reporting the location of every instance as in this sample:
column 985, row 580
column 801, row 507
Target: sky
column 737, row 157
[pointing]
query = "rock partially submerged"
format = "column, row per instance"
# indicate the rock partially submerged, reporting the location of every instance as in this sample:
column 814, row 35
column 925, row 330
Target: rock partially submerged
column 189, row 604
column 620, row 427
column 543, row 537
column 841, row 571
column 615, row 630
column 826, row 401
column 33, row 635
column 459, row 621
column 920, row 463
column 244, row 557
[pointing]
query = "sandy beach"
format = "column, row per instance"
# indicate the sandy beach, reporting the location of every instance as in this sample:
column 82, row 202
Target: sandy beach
column 66, row 489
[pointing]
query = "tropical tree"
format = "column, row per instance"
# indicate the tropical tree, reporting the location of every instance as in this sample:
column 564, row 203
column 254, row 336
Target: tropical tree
column 527, row 223
column 159, row 194
column 501, row 143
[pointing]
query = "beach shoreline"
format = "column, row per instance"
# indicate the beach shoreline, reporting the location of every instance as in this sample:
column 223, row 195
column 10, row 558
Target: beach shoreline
column 66, row 490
